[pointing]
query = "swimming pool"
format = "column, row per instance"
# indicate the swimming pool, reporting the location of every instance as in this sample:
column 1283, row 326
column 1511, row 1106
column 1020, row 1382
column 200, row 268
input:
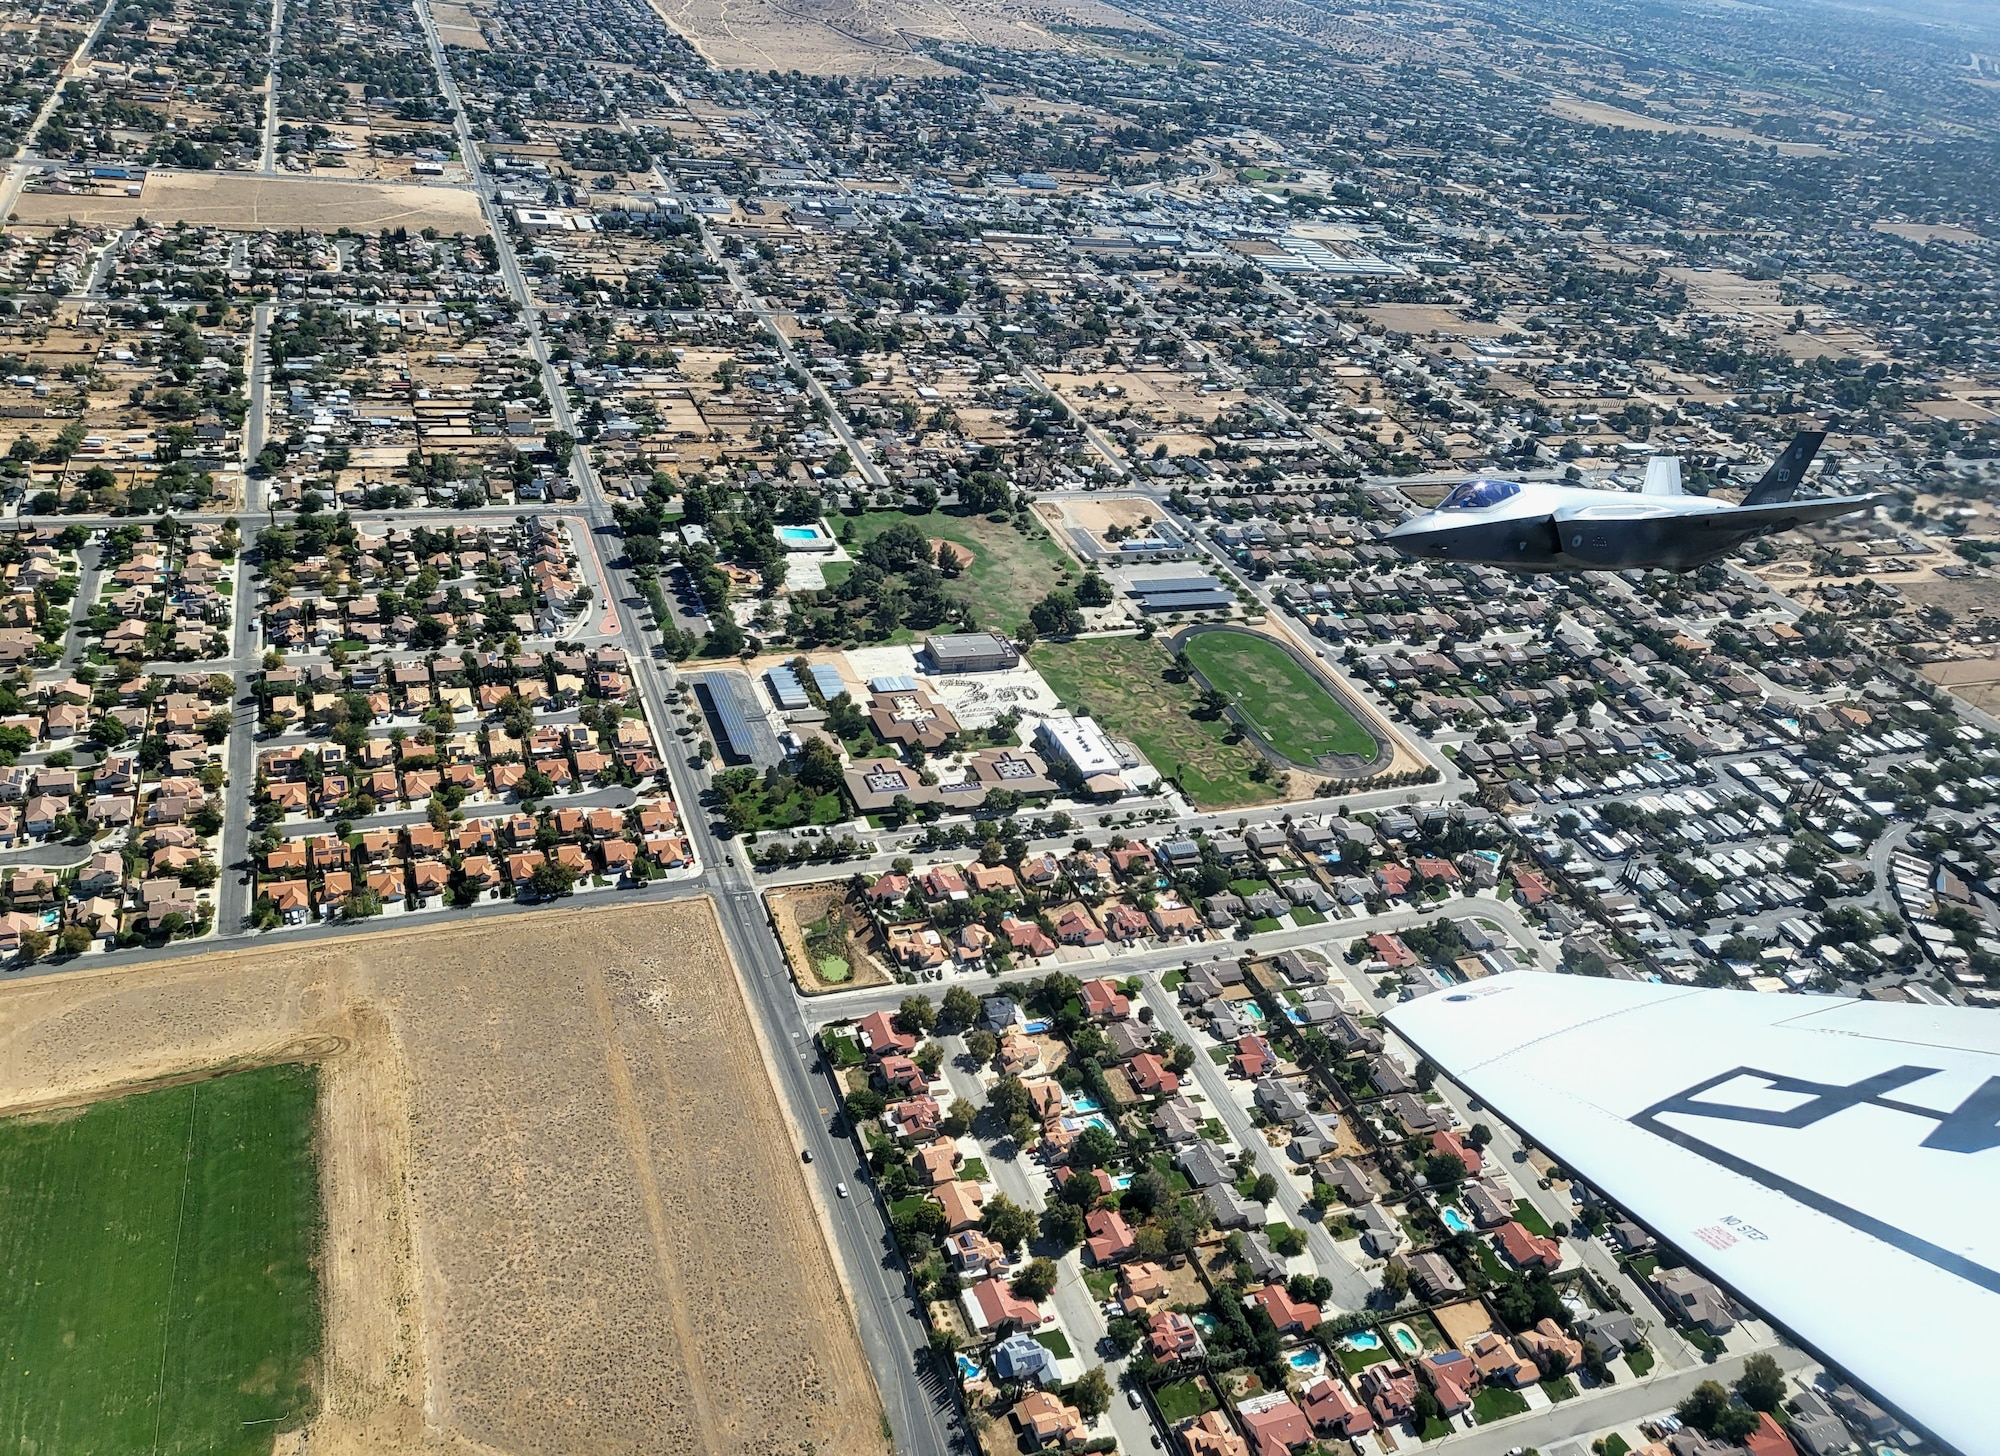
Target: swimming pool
column 1363, row 1340
column 1455, row 1221
column 1122, row 1181
column 1082, row 1102
column 1306, row 1360
column 1251, row 1011
column 968, row 1369
column 1406, row 1340
column 801, row 533
column 1035, row 1028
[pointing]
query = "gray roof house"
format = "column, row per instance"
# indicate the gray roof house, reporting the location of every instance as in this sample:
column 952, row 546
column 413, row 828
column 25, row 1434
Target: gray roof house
column 1491, row 1204
column 1267, row 904
column 1232, row 1210
column 1345, row 1177
column 1205, row 1165
column 1610, row 1330
column 1265, row 1262
column 1000, row 1012
column 1416, row 1115
column 1298, row 968
column 1815, row 1428
column 1128, row 1038
column 1222, row 911
column 1022, row 1357
column 1282, row 1101
column 1432, row 1273
column 1389, row 1076
column 1265, row 839
column 1177, row 1121
column 1695, row 1300
column 1381, row 1235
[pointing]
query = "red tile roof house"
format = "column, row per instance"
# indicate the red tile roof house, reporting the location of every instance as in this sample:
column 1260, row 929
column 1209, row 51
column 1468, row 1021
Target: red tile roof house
column 1253, row 1057
column 991, row 879
column 1391, row 1392
column 1177, row 920
column 880, row 1037
column 1110, row 1236
column 1390, row 950
column 1769, row 1439
column 1437, row 871
column 943, row 882
column 1103, row 1001
column 1276, row 1426
column 1125, row 923
column 1133, row 859
column 902, row 1074
column 1077, row 926
column 971, row 1252
column 914, row 1117
column 1393, row 880
column 1151, row 1076
column 1171, row 1335
column 889, row 889
column 1041, row 870
column 1525, row 1250
column 991, row 1305
column 1291, row 1316
column 1531, row 888
column 1333, row 1411
column 1026, row 936
column 1453, row 1146
column 1451, row 1377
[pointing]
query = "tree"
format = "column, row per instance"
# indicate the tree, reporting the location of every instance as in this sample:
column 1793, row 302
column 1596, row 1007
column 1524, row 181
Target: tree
column 1036, row 1281
column 34, row 944
column 1709, row 1410
column 1007, row 1223
column 865, row 1104
column 916, row 1015
column 552, row 878
column 1762, row 1384
column 1062, row 1223
column 74, row 940
column 1091, row 1395
column 1009, row 1099
column 1396, row 1279
column 961, row 1007
column 1057, row 614
column 981, row 1046
column 1265, row 1188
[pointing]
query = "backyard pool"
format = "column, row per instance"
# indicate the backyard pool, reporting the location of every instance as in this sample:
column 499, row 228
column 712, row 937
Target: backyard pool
column 1455, row 1221
column 968, row 1369
column 1306, row 1360
column 1083, row 1102
column 1251, row 1011
column 1122, row 1181
column 1363, row 1340
column 1035, row 1028
column 1406, row 1340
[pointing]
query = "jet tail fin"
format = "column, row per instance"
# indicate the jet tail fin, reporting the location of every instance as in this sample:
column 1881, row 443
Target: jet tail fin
column 1781, row 482
column 1663, row 476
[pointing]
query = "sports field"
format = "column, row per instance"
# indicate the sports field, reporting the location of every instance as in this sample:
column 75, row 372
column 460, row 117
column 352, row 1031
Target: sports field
column 1004, row 574
column 1129, row 686
column 1287, row 706
column 157, row 1288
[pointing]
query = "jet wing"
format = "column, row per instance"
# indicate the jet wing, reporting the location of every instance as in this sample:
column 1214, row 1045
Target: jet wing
column 1832, row 1162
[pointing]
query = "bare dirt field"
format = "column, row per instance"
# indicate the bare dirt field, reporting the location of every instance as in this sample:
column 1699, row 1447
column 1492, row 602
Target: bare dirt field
column 250, row 203
column 1976, row 680
column 563, row 1212
column 1463, row 1323
column 1596, row 113
column 873, row 37
column 1423, row 318
column 1928, row 232
column 1097, row 516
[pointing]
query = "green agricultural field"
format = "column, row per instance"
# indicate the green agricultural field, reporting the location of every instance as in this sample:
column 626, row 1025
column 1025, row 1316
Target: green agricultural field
column 1287, row 705
column 1007, row 572
column 1127, row 684
column 156, row 1269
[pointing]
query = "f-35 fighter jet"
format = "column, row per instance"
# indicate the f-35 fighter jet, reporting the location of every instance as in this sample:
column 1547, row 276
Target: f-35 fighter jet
column 1533, row 527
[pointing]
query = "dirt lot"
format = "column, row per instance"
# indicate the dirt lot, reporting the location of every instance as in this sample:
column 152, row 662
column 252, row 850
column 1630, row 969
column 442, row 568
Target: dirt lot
column 241, row 201
column 1463, row 1323
column 824, row 38
column 1976, row 680
column 798, row 906
column 546, row 1196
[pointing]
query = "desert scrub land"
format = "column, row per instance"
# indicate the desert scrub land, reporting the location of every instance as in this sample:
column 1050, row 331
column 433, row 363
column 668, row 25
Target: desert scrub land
column 564, row 1211
column 156, row 1268
column 1133, row 689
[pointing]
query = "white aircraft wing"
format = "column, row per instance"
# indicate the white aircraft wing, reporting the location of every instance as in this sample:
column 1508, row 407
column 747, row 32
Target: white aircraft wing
column 1834, row 1163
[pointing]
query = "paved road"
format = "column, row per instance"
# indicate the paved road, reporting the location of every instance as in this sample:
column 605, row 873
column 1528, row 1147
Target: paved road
column 1351, row 1287
column 1623, row 1406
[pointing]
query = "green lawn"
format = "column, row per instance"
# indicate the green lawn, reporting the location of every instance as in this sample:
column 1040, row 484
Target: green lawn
column 156, row 1269
column 1355, row 1361
column 1526, row 1214
column 1435, row 1430
column 1304, row 915
column 1616, row 1445
column 1055, row 1342
column 1006, row 572
column 1183, row 1401
column 973, row 1170
column 1560, row 1389
column 1639, row 1361
column 1124, row 682
column 1287, row 705
column 1102, row 1283
column 1496, row 1403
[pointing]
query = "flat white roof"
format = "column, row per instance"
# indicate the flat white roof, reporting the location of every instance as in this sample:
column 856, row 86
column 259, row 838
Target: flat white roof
column 1835, row 1163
